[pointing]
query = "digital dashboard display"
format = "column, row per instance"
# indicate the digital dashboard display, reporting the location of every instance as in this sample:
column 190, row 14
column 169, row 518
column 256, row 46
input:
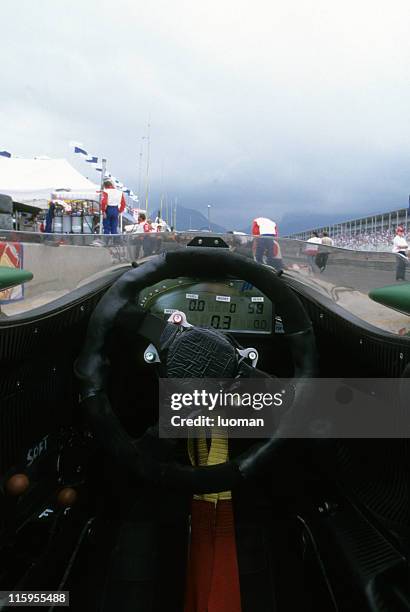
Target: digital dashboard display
column 231, row 305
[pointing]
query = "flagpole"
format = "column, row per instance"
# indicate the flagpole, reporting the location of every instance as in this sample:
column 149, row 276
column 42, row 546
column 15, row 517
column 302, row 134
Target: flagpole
column 103, row 169
column 147, row 183
column 162, row 186
column 140, row 169
column 175, row 213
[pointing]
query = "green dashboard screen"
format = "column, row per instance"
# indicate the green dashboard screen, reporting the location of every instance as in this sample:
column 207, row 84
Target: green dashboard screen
column 231, row 305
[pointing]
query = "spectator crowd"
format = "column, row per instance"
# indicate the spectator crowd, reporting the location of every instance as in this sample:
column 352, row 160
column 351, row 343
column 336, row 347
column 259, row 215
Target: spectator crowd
column 366, row 241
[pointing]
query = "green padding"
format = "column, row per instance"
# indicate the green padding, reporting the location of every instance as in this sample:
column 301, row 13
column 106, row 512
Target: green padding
column 10, row 277
column 394, row 296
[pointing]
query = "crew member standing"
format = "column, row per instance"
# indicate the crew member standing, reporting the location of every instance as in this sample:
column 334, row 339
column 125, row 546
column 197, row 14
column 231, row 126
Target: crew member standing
column 323, row 256
column 400, row 248
column 144, row 226
column 49, row 217
column 311, row 251
column 112, row 205
column 264, row 245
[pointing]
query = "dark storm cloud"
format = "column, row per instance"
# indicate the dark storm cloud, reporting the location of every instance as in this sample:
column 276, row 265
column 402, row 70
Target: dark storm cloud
column 267, row 108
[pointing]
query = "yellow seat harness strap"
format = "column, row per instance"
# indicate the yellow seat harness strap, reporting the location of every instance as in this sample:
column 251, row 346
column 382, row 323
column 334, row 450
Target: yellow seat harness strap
column 201, row 456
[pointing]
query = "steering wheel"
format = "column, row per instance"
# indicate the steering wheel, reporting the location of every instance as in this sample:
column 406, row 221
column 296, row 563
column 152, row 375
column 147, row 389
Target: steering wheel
column 92, row 367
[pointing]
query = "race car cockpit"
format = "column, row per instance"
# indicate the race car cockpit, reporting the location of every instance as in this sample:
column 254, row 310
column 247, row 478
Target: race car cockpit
column 102, row 502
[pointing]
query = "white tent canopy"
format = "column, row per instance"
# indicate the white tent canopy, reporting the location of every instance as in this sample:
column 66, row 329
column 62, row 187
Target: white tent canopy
column 29, row 180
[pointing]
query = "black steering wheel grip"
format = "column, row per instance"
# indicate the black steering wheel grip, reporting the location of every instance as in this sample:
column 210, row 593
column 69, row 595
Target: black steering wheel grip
column 92, row 368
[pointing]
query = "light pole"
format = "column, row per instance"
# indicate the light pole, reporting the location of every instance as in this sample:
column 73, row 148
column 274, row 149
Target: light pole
column 209, row 217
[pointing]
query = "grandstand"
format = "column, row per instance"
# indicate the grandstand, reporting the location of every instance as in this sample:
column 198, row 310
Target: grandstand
column 374, row 232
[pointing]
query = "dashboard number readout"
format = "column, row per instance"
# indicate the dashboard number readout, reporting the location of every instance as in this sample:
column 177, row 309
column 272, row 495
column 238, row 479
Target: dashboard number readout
column 220, row 321
column 224, row 306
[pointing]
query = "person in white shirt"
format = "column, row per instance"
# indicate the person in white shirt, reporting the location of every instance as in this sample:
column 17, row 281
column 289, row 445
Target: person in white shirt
column 323, row 255
column 326, row 239
column 264, row 246
column 311, row 250
column 400, row 248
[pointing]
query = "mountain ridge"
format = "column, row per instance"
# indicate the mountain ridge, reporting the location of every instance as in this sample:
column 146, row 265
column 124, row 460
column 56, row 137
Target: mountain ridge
column 191, row 219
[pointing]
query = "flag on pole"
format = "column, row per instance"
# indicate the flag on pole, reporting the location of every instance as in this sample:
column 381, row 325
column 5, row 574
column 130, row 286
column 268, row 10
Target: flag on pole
column 80, row 150
column 78, row 147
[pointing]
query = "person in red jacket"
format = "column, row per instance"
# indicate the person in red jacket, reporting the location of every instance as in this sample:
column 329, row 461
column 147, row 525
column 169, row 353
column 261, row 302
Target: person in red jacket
column 112, row 205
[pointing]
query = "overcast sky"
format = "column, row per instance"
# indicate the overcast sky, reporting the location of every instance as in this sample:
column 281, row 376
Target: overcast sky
column 255, row 107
